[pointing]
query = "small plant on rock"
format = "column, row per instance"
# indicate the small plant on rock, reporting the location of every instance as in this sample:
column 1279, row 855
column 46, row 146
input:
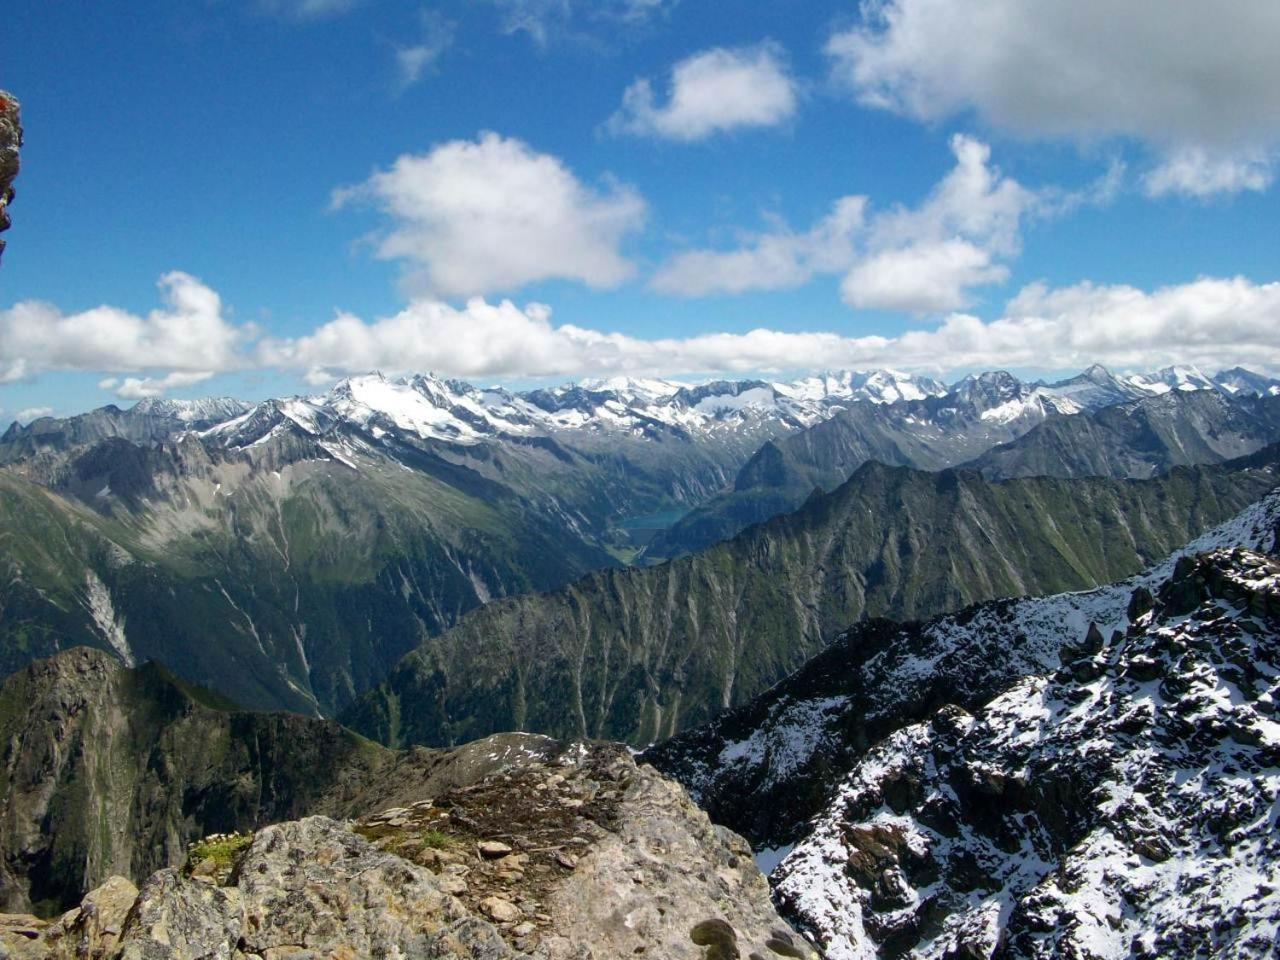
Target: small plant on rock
column 222, row 848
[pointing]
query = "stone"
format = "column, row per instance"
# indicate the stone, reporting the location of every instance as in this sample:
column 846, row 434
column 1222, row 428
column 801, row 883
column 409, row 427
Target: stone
column 719, row 938
column 453, row 885
column 499, row 910
column 493, row 849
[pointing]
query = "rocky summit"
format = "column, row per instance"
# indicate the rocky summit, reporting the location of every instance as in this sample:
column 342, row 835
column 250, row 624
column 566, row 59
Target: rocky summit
column 1120, row 805
column 561, row 851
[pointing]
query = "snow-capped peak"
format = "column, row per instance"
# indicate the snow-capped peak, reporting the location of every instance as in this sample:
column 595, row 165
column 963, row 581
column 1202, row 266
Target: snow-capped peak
column 1241, row 382
column 1172, row 378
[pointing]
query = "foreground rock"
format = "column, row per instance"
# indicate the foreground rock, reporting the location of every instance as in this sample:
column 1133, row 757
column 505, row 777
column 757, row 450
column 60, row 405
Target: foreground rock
column 563, row 853
column 1123, row 805
column 10, row 143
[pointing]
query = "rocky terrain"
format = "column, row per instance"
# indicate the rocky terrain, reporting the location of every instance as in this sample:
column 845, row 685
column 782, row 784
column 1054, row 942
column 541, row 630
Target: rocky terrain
column 641, row 654
column 1120, row 805
column 768, row 767
column 10, row 145
column 555, row 851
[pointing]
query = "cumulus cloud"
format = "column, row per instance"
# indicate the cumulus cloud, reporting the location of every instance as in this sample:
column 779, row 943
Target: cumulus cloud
column 1177, row 75
column 189, row 332
column 1194, row 172
column 1214, row 323
column 33, row 413
column 921, row 278
column 1211, row 322
column 921, row 259
column 416, row 60
column 1179, row 71
column 474, row 217
column 137, row 388
column 712, row 92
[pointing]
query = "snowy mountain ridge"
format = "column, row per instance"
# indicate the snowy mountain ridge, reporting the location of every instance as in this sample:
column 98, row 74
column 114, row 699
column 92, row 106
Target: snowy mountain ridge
column 1120, row 805
column 431, row 408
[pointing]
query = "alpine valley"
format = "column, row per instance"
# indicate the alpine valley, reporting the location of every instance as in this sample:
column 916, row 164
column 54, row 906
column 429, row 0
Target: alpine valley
column 980, row 669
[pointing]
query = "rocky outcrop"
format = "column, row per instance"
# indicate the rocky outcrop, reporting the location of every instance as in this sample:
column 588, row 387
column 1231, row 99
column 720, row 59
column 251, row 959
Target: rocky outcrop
column 1122, row 804
column 109, row 771
column 10, row 144
column 561, row 852
column 641, row 654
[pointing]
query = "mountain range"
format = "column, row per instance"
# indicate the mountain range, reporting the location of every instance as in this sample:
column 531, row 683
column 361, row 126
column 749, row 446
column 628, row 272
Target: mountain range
column 643, row 653
column 289, row 553
column 833, row 609
column 1091, row 425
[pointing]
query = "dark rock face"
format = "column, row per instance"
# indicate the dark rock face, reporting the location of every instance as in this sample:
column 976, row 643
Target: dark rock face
column 1123, row 810
column 10, row 144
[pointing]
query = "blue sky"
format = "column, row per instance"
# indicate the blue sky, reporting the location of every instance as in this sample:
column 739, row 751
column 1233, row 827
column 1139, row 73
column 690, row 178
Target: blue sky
column 1022, row 191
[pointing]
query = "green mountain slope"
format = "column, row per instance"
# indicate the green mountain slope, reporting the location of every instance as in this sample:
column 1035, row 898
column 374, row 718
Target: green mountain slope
column 281, row 584
column 642, row 653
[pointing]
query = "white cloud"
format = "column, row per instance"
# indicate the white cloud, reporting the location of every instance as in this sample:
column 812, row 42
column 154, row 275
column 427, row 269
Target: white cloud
column 921, row 278
column 190, row 332
column 768, row 261
column 1215, row 323
column 1179, row 75
column 712, row 92
column 412, row 62
column 1180, row 71
column 33, row 413
column 477, row 217
column 920, row 259
column 136, row 388
column 1211, row 322
column 929, row 258
column 1194, row 172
